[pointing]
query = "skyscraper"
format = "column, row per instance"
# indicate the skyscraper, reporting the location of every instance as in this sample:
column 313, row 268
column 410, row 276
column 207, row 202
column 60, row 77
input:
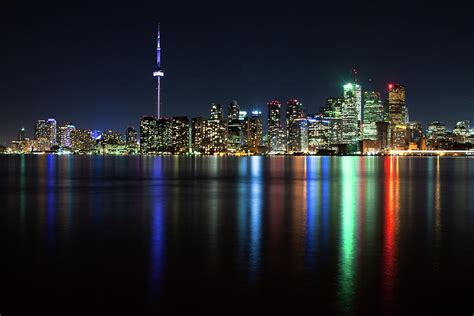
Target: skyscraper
column 332, row 112
column 148, row 134
column 216, row 111
column 197, row 135
column 158, row 73
column 294, row 110
column 349, row 115
column 255, row 130
column 64, row 135
column 21, row 134
column 396, row 104
column 131, row 136
column 233, row 111
column 45, row 132
column 373, row 112
column 179, row 135
column 298, row 142
column 397, row 116
column 275, row 141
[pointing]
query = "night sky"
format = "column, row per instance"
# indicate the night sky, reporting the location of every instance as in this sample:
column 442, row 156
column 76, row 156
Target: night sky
column 92, row 64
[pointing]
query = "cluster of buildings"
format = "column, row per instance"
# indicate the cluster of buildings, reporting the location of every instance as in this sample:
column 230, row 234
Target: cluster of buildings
column 50, row 138
column 355, row 122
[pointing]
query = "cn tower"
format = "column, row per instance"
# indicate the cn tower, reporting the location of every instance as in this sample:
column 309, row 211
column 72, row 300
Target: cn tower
column 158, row 73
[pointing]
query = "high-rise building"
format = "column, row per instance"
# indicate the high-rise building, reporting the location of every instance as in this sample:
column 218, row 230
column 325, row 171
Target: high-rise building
column 275, row 142
column 382, row 134
column 318, row 133
column 216, row 111
column 255, row 131
column 197, row 135
column 111, row 137
column 462, row 131
column 294, row 110
column 148, row 134
column 180, row 135
column 82, row 141
column 131, row 136
column 64, row 135
column 396, row 104
column 298, row 142
column 235, row 135
column 164, row 135
column 415, row 131
column 349, row 115
column 397, row 116
column 373, row 112
column 21, row 134
column 233, row 111
column 332, row 112
column 436, row 135
column 158, row 73
column 45, row 131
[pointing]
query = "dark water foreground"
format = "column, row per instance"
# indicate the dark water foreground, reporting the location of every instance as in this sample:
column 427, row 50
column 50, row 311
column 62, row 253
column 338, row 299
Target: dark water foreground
column 254, row 235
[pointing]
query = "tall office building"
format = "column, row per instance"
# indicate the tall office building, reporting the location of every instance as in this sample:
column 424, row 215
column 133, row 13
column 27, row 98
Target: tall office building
column 332, row 112
column 21, row 135
column 45, row 131
column 373, row 112
column 349, row 115
column 233, row 111
column 180, row 135
column 64, row 135
column 462, row 131
column 415, row 131
column 382, row 134
column 396, row 104
column 148, row 134
column 318, row 133
column 131, row 136
column 164, row 135
column 197, row 135
column 298, row 142
column 397, row 116
column 275, row 141
column 255, row 131
column 158, row 73
column 294, row 110
column 216, row 111
column 82, row 141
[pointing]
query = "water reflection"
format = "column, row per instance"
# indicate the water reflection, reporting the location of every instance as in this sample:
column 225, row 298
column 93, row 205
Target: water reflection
column 157, row 228
column 348, row 258
column 256, row 214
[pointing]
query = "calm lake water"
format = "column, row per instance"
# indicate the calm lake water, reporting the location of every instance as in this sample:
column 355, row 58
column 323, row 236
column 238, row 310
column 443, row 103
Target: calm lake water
column 155, row 235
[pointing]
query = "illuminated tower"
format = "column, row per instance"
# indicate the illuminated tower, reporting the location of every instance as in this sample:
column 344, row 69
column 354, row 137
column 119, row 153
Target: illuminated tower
column 158, row 73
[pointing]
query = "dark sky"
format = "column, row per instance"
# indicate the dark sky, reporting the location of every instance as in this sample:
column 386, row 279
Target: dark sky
column 92, row 63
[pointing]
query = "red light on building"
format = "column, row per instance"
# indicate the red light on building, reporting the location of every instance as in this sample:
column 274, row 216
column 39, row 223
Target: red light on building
column 390, row 86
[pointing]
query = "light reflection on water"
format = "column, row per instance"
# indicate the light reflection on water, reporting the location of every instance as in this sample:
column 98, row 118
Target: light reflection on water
column 348, row 233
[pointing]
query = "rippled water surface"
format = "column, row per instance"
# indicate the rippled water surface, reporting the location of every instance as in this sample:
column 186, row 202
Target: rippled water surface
column 155, row 235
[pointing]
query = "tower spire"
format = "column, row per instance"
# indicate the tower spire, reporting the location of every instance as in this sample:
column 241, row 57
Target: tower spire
column 158, row 73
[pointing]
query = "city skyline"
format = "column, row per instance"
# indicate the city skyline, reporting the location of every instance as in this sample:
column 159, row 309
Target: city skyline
column 308, row 59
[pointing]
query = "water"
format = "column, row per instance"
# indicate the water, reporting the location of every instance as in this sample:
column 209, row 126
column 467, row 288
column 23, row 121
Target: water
column 143, row 235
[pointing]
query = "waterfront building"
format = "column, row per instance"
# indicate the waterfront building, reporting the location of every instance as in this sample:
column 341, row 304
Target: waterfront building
column 148, row 134
column 382, row 134
column 164, row 135
column 180, row 135
column 298, row 142
column 45, row 133
column 21, row 134
column 294, row 111
column 436, row 136
column 275, row 141
column 349, row 115
column 82, row 141
column 415, row 130
column 461, row 131
column 131, row 136
column 332, row 112
column 64, row 135
column 197, row 135
column 373, row 112
column 255, row 131
column 318, row 133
